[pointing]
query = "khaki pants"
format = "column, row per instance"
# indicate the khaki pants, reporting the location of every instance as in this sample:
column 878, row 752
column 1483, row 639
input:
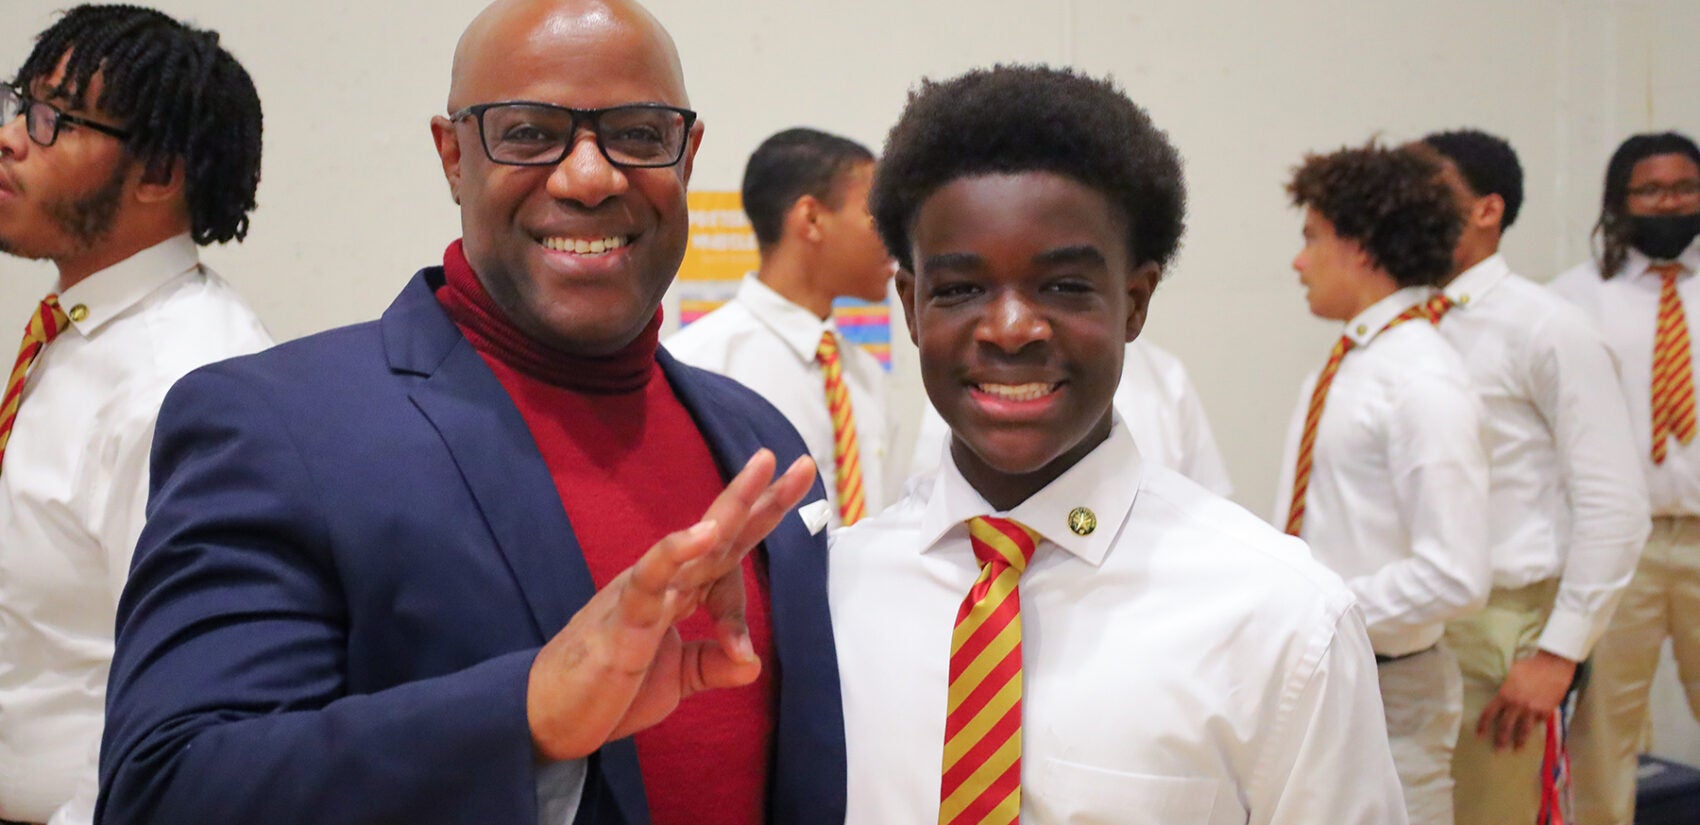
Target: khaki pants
column 1663, row 600
column 1423, row 701
column 1497, row 788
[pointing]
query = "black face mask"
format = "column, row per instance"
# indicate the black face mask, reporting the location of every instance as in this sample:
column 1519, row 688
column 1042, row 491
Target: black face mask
column 1663, row 237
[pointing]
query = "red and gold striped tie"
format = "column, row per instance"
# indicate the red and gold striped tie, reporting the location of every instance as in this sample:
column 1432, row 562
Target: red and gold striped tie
column 1673, row 368
column 1431, row 309
column 1307, row 441
column 846, row 457
column 49, row 320
column 982, row 733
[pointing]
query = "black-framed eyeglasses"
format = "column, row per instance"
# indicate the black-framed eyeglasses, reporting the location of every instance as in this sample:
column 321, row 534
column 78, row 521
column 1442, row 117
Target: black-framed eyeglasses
column 522, row 133
column 44, row 120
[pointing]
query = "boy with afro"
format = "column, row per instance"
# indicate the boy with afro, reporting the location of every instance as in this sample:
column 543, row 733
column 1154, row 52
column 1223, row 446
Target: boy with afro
column 1053, row 630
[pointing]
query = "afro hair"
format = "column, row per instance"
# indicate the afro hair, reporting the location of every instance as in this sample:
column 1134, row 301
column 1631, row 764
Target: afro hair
column 1015, row 119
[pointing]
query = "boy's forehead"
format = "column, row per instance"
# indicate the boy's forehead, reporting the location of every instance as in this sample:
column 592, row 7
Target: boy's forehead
column 1024, row 202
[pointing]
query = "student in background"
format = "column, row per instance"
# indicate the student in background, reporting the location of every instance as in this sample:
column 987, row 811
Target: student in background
column 127, row 141
column 1640, row 291
column 806, row 194
column 1568, row 504
column 1385, row 474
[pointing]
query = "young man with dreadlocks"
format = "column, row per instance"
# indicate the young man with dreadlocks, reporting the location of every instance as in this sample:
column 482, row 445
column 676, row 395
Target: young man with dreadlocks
column 1054, row 629
column 1639, row 290
column 126, row 140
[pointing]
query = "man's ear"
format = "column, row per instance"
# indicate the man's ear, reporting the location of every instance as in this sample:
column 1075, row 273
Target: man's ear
column 802, row 220
column 160, row 180
column 1490, row 212
column 1140, row 284
column 690, row 160
column 448, row 151
column 905, row 281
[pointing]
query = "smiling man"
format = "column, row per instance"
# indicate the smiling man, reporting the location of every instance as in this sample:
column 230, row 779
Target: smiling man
column 1053, row 630
column 467, row 563
column 127, row 141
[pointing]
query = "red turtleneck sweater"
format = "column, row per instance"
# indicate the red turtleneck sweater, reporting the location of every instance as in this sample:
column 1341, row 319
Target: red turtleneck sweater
column 631, row 467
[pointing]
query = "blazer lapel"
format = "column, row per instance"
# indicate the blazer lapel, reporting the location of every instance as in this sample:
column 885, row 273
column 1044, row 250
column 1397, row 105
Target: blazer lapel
column 497, row 456
column 506, row 475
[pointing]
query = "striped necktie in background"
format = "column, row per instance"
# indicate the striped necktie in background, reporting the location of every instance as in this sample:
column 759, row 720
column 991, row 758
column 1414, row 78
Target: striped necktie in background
column 49, row 320
column 1673, row 368
column 1307, row 441
column 982, row 734
column 846, row 457
column 1431, row 309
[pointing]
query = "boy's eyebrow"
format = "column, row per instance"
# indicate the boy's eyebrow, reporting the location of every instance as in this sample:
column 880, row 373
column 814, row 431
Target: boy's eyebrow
column 952, row 260
column 1077, row 254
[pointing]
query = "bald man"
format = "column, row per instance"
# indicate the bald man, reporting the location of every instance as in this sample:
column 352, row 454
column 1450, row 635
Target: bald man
column 488, row 558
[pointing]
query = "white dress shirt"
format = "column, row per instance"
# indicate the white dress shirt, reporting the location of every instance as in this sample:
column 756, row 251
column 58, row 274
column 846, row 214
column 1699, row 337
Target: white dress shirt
column 768, row 344
column 1567, row 495
column 72, row 491
column 1398, row 498
column 1183, row 664
column 1626, row 311
column 1162, row 409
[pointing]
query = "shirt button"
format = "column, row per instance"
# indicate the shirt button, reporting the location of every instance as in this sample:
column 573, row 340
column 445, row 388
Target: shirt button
column 79, row 312
column 1362, row 329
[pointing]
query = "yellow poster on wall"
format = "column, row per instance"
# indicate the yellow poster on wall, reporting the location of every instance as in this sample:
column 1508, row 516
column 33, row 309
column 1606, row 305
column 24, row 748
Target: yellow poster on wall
column 723, row 248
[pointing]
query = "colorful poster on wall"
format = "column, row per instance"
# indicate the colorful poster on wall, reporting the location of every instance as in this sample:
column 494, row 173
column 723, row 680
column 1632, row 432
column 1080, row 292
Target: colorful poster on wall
column 723, row 248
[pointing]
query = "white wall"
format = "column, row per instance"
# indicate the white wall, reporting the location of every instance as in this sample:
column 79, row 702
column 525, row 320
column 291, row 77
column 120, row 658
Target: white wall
column 352, row 203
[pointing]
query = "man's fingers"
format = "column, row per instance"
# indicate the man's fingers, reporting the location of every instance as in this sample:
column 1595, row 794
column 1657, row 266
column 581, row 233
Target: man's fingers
column 1486, row 724
column 725, row 605
column 732, row 506
column 746, row 516
column 779, row 498
column 643, row 596
column 707, row 667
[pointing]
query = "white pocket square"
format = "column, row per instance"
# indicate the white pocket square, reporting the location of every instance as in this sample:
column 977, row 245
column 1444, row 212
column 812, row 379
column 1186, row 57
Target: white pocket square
column 815, row 515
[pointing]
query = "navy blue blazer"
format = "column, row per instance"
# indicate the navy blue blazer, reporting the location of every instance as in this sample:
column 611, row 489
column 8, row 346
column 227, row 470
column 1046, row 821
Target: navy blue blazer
column 353, row 552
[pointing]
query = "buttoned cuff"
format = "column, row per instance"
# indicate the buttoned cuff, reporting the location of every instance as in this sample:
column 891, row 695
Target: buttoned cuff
column 1571, row 635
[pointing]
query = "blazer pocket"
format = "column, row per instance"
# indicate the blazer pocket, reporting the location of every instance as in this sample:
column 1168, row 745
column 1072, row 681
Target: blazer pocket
column 1078, row 794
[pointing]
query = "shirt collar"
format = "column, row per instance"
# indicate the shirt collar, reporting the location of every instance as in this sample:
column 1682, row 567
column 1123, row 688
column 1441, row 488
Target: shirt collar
column 1104, row 484
column 796, row 326
column 1477, row 281
column 106, row 294
column 1636, row 265
column 1373, row 320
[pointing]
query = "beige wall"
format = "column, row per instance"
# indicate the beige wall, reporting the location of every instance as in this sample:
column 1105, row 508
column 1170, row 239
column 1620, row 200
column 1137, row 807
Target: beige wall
column 352, row 202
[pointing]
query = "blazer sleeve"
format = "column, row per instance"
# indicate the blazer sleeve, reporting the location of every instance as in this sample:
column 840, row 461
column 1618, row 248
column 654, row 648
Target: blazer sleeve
column 229, row 698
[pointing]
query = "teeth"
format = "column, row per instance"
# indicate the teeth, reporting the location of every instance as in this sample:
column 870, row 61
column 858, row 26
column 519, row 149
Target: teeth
column 1017, row 392
column 584, row 246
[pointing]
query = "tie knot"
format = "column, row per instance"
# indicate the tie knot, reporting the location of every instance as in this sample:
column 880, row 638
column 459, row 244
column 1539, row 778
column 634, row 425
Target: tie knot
column 1667, row 270
column 1437, row 306
column 1002, row 541
column 48, row 322
column 827, row 352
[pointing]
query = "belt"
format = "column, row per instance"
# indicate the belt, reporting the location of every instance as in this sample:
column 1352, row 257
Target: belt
column 1382, row 659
